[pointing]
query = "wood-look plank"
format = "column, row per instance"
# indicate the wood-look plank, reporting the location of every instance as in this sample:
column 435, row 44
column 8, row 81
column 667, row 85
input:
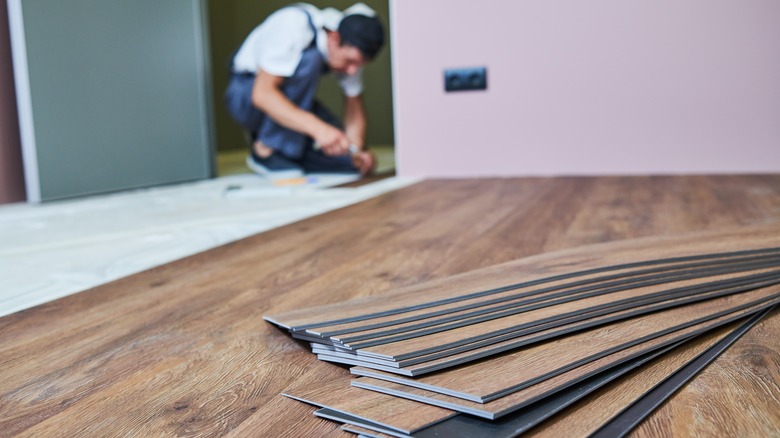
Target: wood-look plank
column 426, row 344
column 736, row 395
column 631, row 416
column 512, row 340
column 498, row 376
column 196, row 322
column 342, row 418
column 363, row 432
column 416, row 368
column 527, row 270
column 351, row 332
column 533, row 393
column 388, row 327
column 478, row 350
column 392, row 412
column 521, row 421
column 593, row 412
column 402, row 331
column 712, row 342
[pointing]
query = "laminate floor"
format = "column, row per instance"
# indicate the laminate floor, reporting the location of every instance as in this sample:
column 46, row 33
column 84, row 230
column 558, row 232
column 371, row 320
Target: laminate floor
column 181, row 349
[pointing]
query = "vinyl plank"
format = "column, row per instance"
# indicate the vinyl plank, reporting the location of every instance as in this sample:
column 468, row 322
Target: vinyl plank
column 581, row 419
column 349, row 333
column 469, row 353
column 630, row 417
column 530, row 416
column 494, row 345
column 593, row 414
column 511, row 298
column 392, row 412
column 560, row 265
column 498, row 376
column 736, row 395
column 429, row 326
column 537, row 392
column 498, row 409
column 587, row 320
column 521, row 420
column 341, row 417
column 426, row 344
column 364, row 432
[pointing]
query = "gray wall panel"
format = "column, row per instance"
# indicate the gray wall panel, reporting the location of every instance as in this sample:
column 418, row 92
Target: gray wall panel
column 119, row 93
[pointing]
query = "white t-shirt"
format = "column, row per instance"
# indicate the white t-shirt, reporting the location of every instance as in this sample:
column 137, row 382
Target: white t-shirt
column 277, row 44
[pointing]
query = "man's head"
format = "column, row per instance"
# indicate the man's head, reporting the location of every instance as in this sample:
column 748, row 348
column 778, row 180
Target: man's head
column 358, row 39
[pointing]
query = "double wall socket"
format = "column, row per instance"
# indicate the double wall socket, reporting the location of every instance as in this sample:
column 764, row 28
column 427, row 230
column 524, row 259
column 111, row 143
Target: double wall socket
column 462, row 79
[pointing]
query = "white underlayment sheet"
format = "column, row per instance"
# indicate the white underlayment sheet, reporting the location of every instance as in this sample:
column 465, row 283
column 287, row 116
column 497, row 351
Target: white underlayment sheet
column 56, row 249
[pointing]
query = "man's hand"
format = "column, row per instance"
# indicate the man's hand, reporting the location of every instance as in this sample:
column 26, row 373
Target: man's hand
column 267, row 96
column 364, row 161
column 332, row 140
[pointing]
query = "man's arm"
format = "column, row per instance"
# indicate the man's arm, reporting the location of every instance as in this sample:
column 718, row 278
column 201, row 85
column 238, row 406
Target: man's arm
column 355, row 125
column 267, row 96
column 355, row 120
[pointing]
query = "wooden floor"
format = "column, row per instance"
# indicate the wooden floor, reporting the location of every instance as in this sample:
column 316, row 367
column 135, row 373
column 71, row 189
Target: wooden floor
column 182, row 349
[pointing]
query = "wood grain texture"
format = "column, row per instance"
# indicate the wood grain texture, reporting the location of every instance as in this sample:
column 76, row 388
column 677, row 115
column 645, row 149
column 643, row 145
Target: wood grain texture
column 363, row 432
column 747, row 378
column 515, row 339
column 392, row 412
column 357, row 334
column 488, row 379
column 521, row 294
column 544, row 268
column 512, row 340
column 532, row 415
column 342, row 418
column 621, row 424
column 589, row 414
column 422, row 345
column 190, row 332
column 513, row 402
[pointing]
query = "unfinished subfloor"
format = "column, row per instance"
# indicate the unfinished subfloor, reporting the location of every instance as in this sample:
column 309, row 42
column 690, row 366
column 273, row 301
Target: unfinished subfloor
column 59, row 248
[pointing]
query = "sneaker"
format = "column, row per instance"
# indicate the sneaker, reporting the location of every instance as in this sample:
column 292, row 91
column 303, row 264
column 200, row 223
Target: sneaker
column 274, row 167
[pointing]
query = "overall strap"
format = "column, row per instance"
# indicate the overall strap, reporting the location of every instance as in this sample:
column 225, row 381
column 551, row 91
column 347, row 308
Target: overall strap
column 313, row 44
column 311, row 25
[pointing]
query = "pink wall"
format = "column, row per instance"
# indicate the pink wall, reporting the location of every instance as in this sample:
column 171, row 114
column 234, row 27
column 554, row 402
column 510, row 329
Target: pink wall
column 11, row 174
column 599, row 87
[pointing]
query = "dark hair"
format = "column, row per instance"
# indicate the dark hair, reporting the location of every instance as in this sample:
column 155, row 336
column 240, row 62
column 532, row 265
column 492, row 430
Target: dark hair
column 365, row 33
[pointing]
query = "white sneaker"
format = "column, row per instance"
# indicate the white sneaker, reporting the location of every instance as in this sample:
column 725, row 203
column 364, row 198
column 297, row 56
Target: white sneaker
column 274, row 167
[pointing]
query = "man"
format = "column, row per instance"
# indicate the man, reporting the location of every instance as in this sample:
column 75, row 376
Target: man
column 274, row 79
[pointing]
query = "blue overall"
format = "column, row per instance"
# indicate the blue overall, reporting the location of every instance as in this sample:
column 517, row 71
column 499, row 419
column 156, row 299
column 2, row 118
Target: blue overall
column 300, row 88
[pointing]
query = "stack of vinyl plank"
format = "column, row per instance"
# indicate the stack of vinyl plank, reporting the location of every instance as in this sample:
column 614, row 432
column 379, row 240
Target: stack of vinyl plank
column 571, row 342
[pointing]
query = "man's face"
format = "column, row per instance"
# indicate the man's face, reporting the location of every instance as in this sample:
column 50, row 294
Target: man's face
column 343, row 59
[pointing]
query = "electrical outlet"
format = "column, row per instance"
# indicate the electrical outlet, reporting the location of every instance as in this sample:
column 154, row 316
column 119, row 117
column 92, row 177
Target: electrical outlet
column 462, row 79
